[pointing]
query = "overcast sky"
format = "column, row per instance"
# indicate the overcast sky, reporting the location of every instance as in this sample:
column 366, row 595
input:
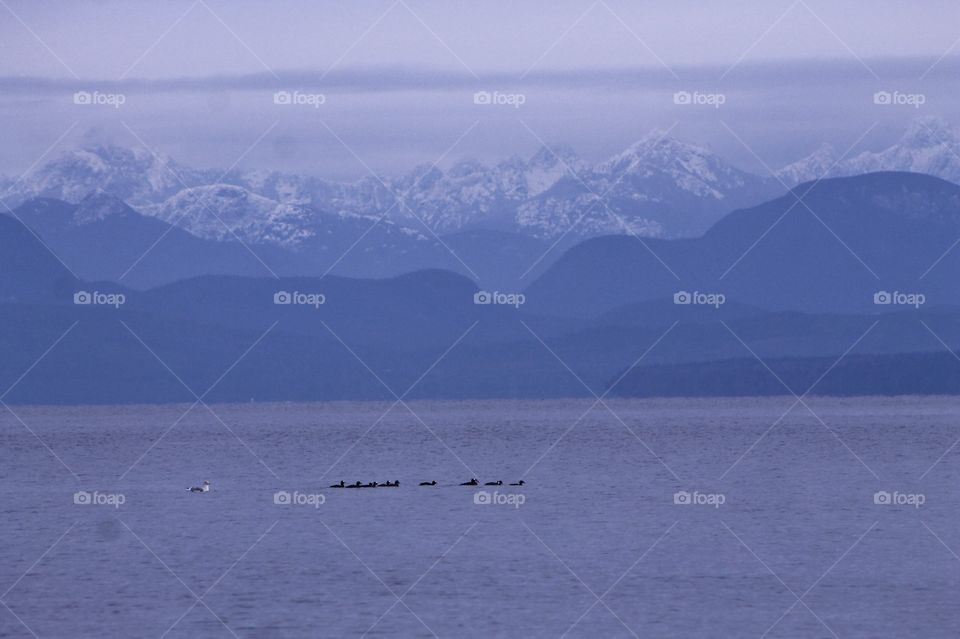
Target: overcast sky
column 398, row 79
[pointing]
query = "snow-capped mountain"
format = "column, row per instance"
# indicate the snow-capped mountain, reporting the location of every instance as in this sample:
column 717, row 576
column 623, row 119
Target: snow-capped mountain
column 227, row 212
column 284, row 187
column 224, row 212
column 820, row 163
column 114, row 204
column 689, row 167
column 929, row 145
column 548, row 166
column 468, row 195
column 659, row 186
column 133, row 175
column 446, row 201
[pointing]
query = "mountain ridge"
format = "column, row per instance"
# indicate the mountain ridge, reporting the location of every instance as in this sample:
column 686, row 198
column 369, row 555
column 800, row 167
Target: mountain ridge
column 538, row 196
column 929, row 145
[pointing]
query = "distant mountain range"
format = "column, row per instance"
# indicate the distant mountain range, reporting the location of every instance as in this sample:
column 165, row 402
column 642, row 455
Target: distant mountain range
column 494, row 224
column 802, row 290
column 102, row 238
column 848, row 239
column 659, row 187
column 929, row 146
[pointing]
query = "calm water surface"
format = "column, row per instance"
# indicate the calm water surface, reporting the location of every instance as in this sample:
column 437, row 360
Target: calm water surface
column 787, row 542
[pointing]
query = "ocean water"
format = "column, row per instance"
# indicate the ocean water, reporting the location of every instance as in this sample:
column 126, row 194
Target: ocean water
column 778, row 532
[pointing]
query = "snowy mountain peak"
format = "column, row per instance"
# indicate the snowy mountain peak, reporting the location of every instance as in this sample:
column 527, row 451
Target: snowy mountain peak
column 133, row 175
column 655, row 148
column 928, row 132
column 816, row 165
column 111, row 154
column 548, row 165
column 113, row 161
column 422, row 174
column 550, row 156
column 664, row 160
column 825, row 150
column 226, row 211
column 466, row 167
column 929, row 145
column 660, row 141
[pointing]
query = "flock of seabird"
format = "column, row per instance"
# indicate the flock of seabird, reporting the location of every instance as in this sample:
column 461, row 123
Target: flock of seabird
column 205, row 486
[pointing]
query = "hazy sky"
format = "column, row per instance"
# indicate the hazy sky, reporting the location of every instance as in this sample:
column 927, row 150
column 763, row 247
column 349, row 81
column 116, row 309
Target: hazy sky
column 398, row 78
